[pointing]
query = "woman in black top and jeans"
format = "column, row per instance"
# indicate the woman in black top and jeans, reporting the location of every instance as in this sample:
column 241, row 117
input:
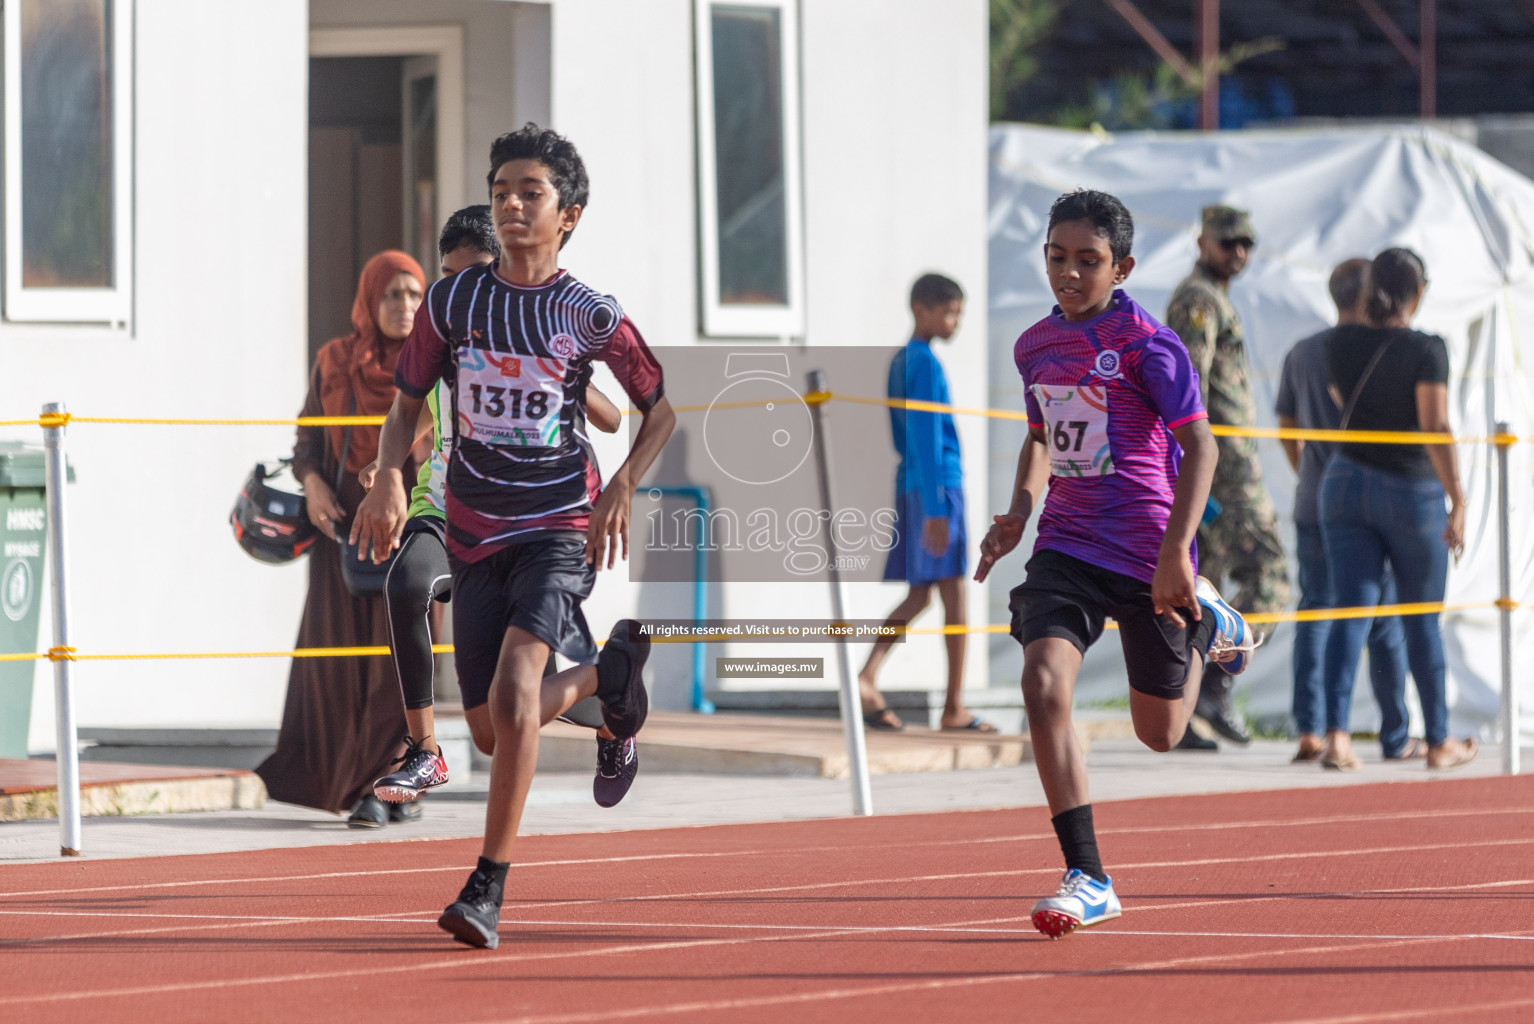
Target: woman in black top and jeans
column 1385, row 502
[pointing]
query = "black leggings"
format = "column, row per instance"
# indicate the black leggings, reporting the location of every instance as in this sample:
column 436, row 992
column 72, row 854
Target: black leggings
column 419, row 576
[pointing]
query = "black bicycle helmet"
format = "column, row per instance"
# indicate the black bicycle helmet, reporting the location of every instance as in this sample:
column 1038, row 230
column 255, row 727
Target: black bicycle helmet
column 271, row 525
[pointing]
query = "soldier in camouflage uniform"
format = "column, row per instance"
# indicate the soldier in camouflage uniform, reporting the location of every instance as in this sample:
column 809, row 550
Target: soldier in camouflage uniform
column 1241, row 543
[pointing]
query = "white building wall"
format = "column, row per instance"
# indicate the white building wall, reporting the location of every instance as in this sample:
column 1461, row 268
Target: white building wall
column 895, row 122
column 218, row 331
column 894, row 136
column 894, row 169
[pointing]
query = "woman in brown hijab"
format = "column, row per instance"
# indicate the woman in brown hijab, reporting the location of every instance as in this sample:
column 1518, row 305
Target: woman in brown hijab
column 343, row 721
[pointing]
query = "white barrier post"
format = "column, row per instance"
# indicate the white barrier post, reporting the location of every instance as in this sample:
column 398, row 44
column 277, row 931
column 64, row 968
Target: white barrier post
column 1505, row 605
column 68, row 756
column 851, row 703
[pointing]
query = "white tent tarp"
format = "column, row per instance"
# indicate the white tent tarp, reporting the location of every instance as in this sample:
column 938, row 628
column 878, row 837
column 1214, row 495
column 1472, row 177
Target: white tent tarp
column 1317, row 197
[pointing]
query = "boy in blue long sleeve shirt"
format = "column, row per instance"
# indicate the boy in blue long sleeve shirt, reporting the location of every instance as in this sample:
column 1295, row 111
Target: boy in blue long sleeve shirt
column 929, row 500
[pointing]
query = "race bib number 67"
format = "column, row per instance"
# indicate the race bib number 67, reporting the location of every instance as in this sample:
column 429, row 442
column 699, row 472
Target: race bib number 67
column 1076, row 429
column 510, row 399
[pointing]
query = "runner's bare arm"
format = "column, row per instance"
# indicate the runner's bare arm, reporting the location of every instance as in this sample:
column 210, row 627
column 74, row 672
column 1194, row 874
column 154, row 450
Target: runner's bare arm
column 601, row 412
column 423, row 430
column 1172, row 585
column 381, row 516
column 608, row 532
column 1027, row 491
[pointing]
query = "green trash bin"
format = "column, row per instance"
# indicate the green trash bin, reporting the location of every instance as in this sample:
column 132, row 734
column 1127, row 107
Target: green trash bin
column 23, row 539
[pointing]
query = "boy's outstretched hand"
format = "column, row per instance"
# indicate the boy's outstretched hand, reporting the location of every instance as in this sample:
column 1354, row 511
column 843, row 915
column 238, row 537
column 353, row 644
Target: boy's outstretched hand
column 1001, row 538
column 1172, row 588
column 607, row 532
column 380, row 519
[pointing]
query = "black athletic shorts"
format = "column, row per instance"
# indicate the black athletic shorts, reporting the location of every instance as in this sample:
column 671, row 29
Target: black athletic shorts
column 1071, row 599
column 537, row 585
column 427, row 523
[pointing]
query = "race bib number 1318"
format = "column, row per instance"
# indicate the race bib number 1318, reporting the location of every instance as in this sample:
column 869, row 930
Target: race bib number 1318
column 510, row 399
column 1076, row 429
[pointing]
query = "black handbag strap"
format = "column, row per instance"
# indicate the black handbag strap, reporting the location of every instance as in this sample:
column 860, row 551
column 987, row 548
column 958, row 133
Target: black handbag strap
column 346, row 446
column 1358, row 389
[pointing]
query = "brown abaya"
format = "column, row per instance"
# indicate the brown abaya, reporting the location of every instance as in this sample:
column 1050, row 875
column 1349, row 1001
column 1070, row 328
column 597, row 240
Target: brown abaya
column 344, row 717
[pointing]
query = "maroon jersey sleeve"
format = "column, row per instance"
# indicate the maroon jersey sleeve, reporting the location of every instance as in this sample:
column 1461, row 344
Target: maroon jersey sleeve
column 632, row 362
column 426, row 358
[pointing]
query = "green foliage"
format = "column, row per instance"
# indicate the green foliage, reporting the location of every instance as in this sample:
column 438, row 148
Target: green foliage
column 1126, row 101
column 1017, row 26
column 1148, row 99
column 1132, row 100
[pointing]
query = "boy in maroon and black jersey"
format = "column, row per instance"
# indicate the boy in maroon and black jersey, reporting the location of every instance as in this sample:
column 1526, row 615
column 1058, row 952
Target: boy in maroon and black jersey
column 528, row 520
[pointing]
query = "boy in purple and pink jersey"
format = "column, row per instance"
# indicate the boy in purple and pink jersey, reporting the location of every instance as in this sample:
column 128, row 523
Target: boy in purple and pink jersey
column 1118, row 432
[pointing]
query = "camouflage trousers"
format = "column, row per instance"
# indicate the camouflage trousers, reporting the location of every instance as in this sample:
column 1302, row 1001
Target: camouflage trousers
column 1242, row 547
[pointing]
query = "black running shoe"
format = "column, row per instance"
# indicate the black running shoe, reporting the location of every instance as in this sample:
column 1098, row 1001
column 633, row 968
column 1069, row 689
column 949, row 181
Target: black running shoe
column 419, row 770
column 1193, row 741
column 617, row 764
column 473, row 918
column 625, row 704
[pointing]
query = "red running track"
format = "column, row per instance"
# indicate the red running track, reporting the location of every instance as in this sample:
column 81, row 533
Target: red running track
column 1397, row 902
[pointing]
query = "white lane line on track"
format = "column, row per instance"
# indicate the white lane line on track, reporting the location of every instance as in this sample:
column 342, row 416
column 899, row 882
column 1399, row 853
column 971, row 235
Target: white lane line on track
column 674, row 1009
column 224, row 923
column 952, row 876
column 1458, row 1010
column 1332, row 895
column 440, row 963
column 1305, row 935
column 675, row 926
column 787, row 851
column 1205, row 862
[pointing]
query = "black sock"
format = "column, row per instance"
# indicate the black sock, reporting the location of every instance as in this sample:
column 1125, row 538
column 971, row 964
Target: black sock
column 1078, row 841
column 494, row 870
column 612, row 671
column 1202, row 633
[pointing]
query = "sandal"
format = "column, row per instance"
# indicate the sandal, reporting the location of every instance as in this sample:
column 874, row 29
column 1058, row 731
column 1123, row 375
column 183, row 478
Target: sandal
column 975, row 724
column 884, row 719
column 1453, row 753
column 1346, row 763
column 1308, row 754
column 1415, row 749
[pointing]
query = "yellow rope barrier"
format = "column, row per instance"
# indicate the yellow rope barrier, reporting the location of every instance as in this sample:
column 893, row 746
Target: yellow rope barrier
column 53, row 419
column 820, row 398
column 812, row 398
column 71, row 654
column 1272, row 618
column 1310, row 615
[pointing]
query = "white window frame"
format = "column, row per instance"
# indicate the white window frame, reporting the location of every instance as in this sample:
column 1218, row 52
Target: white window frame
column 736, row 320
column 72, row 305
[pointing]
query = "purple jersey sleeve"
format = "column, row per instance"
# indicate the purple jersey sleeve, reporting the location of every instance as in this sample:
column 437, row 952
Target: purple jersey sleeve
column 1167, row 375
column 1030, row 402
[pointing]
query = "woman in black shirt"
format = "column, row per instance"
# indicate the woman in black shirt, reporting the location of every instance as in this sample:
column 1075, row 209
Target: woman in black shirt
column 1384, row 503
